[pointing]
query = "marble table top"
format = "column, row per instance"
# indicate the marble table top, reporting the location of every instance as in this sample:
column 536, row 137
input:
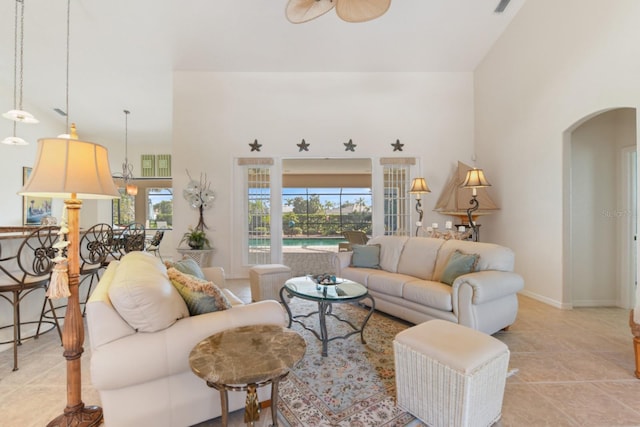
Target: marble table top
column 248, row 354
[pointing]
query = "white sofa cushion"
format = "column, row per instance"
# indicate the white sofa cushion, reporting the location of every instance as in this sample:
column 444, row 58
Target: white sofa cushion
column 428, row 293
column 388, row 283
column 143, row 295
column 418, row 257
column 390, row 251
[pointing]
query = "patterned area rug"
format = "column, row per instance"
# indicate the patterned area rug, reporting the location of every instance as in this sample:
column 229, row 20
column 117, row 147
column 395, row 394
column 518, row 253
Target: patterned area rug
column 354, row 385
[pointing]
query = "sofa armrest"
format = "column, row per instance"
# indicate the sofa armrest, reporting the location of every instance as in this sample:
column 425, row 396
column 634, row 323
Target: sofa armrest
column 215, row 275
column 489, row 285
column 341, row 260
column 143, row 357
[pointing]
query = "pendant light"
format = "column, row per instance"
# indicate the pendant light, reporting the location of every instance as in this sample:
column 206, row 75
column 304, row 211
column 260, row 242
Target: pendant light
column 18, row 114
column 127, row 168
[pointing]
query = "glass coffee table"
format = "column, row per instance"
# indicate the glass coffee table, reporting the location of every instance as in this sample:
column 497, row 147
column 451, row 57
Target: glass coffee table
column 343, row 291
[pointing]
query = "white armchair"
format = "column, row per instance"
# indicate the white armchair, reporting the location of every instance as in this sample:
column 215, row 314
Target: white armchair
column 144, row 378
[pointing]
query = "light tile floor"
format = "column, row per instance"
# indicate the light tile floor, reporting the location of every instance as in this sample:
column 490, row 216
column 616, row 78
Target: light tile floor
column 575, row 368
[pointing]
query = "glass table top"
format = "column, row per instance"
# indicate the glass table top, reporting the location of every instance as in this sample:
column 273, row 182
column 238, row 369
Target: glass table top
column 343, row 290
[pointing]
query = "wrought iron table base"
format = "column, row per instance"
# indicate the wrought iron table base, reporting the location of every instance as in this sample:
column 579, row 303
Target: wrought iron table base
column 325, row 309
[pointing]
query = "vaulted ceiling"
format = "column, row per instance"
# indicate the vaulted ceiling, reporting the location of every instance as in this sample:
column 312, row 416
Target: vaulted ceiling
column 123, row 53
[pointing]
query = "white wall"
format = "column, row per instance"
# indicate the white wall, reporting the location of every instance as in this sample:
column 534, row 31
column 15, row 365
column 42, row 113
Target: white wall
column 557, row 63
column 216, row 116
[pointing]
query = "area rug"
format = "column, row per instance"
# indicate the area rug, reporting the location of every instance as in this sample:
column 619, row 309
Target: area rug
column 354, row 385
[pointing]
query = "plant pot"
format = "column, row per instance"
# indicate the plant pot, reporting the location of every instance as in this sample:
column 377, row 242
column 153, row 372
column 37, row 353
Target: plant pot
column 196, row 245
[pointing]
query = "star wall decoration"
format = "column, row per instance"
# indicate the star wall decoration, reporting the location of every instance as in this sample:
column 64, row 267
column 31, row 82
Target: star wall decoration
column 303, row 146
column 255, row 146
column 350, row 146
column 397, row 146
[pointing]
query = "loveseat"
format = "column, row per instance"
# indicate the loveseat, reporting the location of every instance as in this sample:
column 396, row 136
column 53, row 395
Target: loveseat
column 140, row 344
column 406, row 279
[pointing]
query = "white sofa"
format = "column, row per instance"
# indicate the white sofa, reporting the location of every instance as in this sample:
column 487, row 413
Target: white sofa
column 407, row 284
column 144, row 378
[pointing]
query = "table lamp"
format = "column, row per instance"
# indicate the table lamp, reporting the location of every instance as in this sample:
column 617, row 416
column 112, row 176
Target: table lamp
column 418, row 187
column 475, row 179
column 73, row 170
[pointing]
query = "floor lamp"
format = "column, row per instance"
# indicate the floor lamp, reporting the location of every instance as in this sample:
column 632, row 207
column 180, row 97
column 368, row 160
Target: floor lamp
column 418, row 187
column 475, row 179
column 73, row 170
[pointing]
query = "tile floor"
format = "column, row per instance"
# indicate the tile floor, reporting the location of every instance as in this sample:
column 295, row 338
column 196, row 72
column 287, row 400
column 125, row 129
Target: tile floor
column 575, row 368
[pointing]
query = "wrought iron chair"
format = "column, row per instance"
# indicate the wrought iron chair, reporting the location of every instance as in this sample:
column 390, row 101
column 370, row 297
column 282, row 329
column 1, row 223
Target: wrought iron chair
column 95, row 248
column 133, row 237
column 22, row 273
column 153, row 245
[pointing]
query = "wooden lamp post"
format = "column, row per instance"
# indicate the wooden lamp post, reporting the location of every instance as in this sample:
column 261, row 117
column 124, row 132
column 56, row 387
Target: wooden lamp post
column 73, row 170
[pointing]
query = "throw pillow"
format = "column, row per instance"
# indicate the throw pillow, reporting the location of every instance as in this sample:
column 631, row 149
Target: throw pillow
column 366, row 256
column 201, row 296
column 459, row 263
column 187, row 266
column 143, row 295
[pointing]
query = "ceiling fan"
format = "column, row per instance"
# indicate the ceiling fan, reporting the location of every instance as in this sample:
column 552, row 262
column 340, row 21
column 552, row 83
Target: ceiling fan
column 299, row 11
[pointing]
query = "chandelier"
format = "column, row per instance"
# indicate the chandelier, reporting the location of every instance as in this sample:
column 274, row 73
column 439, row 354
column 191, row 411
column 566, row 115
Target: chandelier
column 127, row 168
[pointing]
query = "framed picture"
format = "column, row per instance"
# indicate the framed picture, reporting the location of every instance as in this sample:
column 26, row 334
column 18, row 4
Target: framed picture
column 34, row 208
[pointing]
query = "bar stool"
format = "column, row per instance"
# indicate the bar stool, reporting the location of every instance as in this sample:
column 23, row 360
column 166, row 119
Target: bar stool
column 94, row 249
column 24, row 272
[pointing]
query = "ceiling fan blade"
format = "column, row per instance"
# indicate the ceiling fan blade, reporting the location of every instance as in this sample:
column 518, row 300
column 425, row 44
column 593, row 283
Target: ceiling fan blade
column 299, row 11
column 361, row 10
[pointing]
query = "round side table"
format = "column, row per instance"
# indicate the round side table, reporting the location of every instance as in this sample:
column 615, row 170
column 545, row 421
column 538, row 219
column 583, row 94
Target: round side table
column 245, row 358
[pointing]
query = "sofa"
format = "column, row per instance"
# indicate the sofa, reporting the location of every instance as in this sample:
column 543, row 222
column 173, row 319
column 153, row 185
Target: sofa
column 407, row 279
column 140, row 336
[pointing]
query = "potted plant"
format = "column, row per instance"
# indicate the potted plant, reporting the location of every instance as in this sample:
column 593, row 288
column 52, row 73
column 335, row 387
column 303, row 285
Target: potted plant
column 195, row 238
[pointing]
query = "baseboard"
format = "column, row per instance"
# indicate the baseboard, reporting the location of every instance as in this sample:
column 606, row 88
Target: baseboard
column 546, row 300
column 595, row 303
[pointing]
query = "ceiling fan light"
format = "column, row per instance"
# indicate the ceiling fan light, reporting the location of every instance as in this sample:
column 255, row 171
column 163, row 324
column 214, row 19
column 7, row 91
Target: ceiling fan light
column 20, row 116
column 361, row 10
column 14, row 140
column 300, row 11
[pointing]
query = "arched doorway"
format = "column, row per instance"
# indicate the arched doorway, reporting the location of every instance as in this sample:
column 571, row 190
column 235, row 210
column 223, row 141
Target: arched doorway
column 600, row 202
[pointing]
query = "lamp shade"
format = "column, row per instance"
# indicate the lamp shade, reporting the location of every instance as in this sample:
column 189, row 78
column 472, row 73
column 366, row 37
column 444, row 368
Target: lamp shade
column 20, row 116
column 475, row 179
column 418, row 186
column 69, row 166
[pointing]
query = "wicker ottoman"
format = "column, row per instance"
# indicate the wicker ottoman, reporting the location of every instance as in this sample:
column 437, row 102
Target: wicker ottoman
column 450, row 375
column 266, row 281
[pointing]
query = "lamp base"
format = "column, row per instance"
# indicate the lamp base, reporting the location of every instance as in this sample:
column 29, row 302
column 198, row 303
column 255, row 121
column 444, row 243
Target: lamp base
column 86, row 416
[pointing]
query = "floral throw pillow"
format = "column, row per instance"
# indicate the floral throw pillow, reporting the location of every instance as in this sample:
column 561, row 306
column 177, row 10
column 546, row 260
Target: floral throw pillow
column 201, row 296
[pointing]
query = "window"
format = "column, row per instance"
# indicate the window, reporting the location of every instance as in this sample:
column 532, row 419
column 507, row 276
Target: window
column 259, row 215
column 397, row 213
column 152, row 206
column 159, row 208
column 124, row 209
column 325, row 212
